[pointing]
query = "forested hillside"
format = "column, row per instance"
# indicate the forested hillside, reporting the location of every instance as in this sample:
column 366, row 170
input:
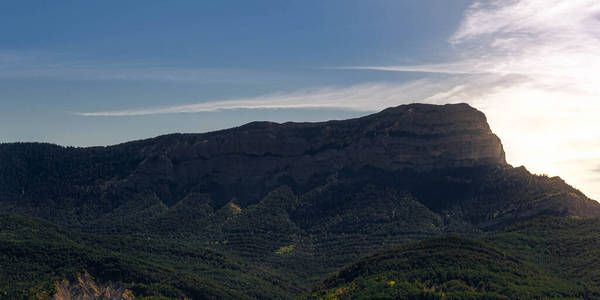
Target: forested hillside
column 545, row 258
column 36, row 255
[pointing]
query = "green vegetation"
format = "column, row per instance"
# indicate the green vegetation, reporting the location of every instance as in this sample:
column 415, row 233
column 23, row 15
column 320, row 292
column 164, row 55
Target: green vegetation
column 545, row 258
column 34, row 255
column 445, row 268
column 568, row 247
column 285, row 250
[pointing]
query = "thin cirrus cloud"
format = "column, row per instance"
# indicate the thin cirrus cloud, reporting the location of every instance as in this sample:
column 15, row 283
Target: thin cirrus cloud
column 546, row 113
column 364, row 97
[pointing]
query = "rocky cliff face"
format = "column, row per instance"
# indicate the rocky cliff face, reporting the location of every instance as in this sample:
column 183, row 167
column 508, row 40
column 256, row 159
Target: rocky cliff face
column 418, row 137
column 85, row 288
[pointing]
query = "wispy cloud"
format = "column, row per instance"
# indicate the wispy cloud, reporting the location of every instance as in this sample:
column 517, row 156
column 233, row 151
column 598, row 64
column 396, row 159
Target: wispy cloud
column 365, row 97
column 463, row 67
column 546, row 113
column 528, row 37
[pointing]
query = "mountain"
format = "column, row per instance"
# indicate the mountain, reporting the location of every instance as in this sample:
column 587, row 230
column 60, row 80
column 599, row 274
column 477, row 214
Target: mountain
column 92, row 188
column 290, row 202
column 243, row 163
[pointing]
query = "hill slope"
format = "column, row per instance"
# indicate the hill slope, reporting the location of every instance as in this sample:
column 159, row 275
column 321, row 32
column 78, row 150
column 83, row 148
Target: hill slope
column 547, row 257
column 36, row 256
column 449, row 267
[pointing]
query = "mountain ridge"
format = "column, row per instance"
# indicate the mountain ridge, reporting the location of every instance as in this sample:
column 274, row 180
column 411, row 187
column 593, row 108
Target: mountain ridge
column 243, row 164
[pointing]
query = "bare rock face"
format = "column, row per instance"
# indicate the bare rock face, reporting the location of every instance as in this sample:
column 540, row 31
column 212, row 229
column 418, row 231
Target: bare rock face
column 85, row 288
column 417, row 136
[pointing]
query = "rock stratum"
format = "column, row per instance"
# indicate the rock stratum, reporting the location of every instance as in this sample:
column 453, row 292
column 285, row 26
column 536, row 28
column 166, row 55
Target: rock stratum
column 85, row 288
column 299, row 200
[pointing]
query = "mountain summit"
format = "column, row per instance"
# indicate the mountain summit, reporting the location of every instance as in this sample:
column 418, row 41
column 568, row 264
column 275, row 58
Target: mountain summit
column 438, row 153
column 418, row 137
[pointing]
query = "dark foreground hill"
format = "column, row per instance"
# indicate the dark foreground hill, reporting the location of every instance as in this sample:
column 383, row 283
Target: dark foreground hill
column 295, row 200
column 545, row 258
column 36, row 257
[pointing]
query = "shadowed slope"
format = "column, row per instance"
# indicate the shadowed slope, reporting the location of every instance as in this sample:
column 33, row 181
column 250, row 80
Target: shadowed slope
column 37, row 255
column 449, row 267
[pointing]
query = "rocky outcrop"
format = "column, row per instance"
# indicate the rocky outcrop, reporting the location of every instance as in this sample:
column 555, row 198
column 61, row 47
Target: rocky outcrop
column 418, row 137
column 85, row 288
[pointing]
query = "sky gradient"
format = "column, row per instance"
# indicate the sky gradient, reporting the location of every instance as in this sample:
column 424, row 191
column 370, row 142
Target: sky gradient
column 98, row 73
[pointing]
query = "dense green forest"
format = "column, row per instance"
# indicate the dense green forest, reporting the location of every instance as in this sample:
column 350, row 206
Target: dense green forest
column 35, row 255
column 545, row 258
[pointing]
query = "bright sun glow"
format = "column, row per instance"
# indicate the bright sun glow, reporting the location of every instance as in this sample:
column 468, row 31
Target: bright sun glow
column 532, row 66
column 548, row 120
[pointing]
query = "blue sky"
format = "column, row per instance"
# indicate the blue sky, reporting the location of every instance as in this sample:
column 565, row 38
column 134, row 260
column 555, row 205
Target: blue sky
column 103, row 72
column 72, row 56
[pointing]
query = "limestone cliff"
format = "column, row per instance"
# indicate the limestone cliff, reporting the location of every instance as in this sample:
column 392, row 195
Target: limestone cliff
column 418, row 136
column 85, row 288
